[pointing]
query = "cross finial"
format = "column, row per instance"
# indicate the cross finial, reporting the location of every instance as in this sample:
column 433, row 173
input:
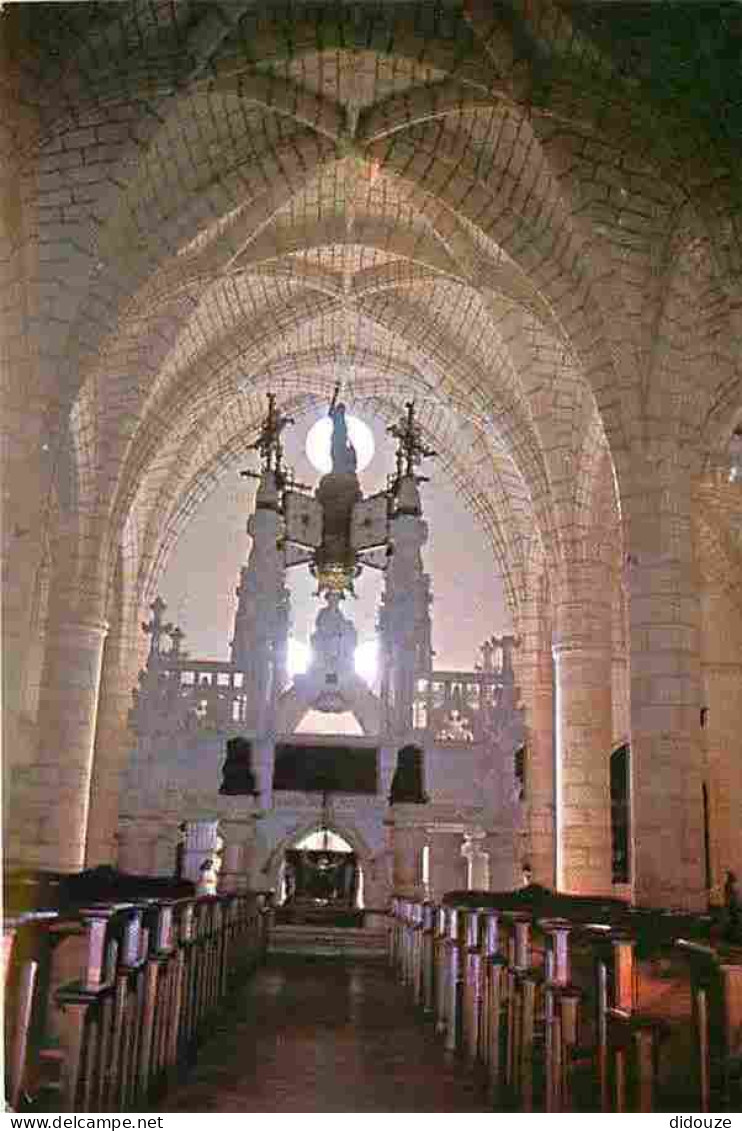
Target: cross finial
column 156, row 629
column 176, row 639
column 268, row 443
column 410, row 448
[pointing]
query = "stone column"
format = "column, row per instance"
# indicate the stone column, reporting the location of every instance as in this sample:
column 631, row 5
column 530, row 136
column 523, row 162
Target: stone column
column 56, row 808
column 27, row 458
column 724, row 778
column 132, row 854
column 407, row 842
column 447, row 867
column 477, row 861
column 376, row 885
column 201, row 843
column 114, row 741
column 664, row 616
column 387, row 766
column 238, row 837
column 264, row 753
column 262, row 618
column 405, row 613
column 506, row 854
column 583, row 658
column 534, row 674
column 621, row 673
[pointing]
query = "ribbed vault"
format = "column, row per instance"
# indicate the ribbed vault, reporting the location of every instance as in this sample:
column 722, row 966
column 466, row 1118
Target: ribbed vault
column 357, row 274
column 428, row 199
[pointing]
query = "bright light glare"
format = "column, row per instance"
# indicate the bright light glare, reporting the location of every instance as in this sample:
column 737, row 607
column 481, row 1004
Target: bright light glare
column 298, row 657
column 367, row 660
column 319, row 440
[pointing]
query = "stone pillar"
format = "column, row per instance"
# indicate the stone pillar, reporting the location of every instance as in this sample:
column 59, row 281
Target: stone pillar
column 583, row 658
column 376, row 885
column 404, row 619
column 621, row 674
column 201, row 843
column 477, row 861
column 506, row 857
column 664, row 616
column 447, row 867
column 407, row 842
column 233, row 876
column 57, row 804
column 264, row 753
column 164, row 850
column 26, row 446
column 724, row 778
column 133, row 848
column 262, row 618
column 387, row 766
column 238, row 846
column 535, row 679
column 147, row 845
column 114, row 741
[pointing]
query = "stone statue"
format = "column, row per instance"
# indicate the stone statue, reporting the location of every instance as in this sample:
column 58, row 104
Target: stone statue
column 488, row 654
column 334, row 639
column 344, row 460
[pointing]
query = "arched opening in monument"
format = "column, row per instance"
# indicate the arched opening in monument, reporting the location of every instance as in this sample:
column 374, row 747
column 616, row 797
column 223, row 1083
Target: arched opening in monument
column 321, row 880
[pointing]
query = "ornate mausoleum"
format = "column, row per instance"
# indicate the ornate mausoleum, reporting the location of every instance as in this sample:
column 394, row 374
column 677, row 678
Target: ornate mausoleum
column 426, row 795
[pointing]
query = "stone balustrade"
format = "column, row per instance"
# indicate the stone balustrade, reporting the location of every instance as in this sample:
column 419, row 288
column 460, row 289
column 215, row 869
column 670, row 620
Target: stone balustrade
column 563, row 1002
column 460, row 707
column 450, row 707
column 150, row 975
column 177, row 693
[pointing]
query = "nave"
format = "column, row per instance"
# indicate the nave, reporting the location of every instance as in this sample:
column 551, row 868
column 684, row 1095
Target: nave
column 314, row 1034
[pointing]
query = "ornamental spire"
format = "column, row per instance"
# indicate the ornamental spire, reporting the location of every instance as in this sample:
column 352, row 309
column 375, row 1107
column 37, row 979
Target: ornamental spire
column 410, row 448
column 268, row 443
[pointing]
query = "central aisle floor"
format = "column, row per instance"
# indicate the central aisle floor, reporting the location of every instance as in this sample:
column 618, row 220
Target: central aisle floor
column 309, row 1035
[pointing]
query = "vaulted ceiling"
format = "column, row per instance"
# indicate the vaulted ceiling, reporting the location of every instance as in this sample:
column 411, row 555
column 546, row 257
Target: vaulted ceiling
column 416, row 199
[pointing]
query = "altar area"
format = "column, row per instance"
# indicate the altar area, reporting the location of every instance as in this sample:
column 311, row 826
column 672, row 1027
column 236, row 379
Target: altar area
column 425, row 795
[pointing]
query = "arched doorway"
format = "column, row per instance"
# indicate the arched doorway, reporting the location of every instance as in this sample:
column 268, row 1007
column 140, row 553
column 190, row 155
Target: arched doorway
column 321, row 881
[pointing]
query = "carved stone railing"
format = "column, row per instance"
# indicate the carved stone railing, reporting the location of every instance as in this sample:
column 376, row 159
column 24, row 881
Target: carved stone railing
column 455, row 707
column 189, row 695
column 151, row 973
column 564, row 1002
column 462, row 707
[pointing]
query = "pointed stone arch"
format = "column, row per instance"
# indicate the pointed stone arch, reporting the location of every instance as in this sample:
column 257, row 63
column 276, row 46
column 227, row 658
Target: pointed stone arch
column 301, row 828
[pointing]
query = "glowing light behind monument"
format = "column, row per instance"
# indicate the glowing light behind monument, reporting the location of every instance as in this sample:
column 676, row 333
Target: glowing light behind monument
column 298, row 657
column 319, row 440
column 366, row 659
